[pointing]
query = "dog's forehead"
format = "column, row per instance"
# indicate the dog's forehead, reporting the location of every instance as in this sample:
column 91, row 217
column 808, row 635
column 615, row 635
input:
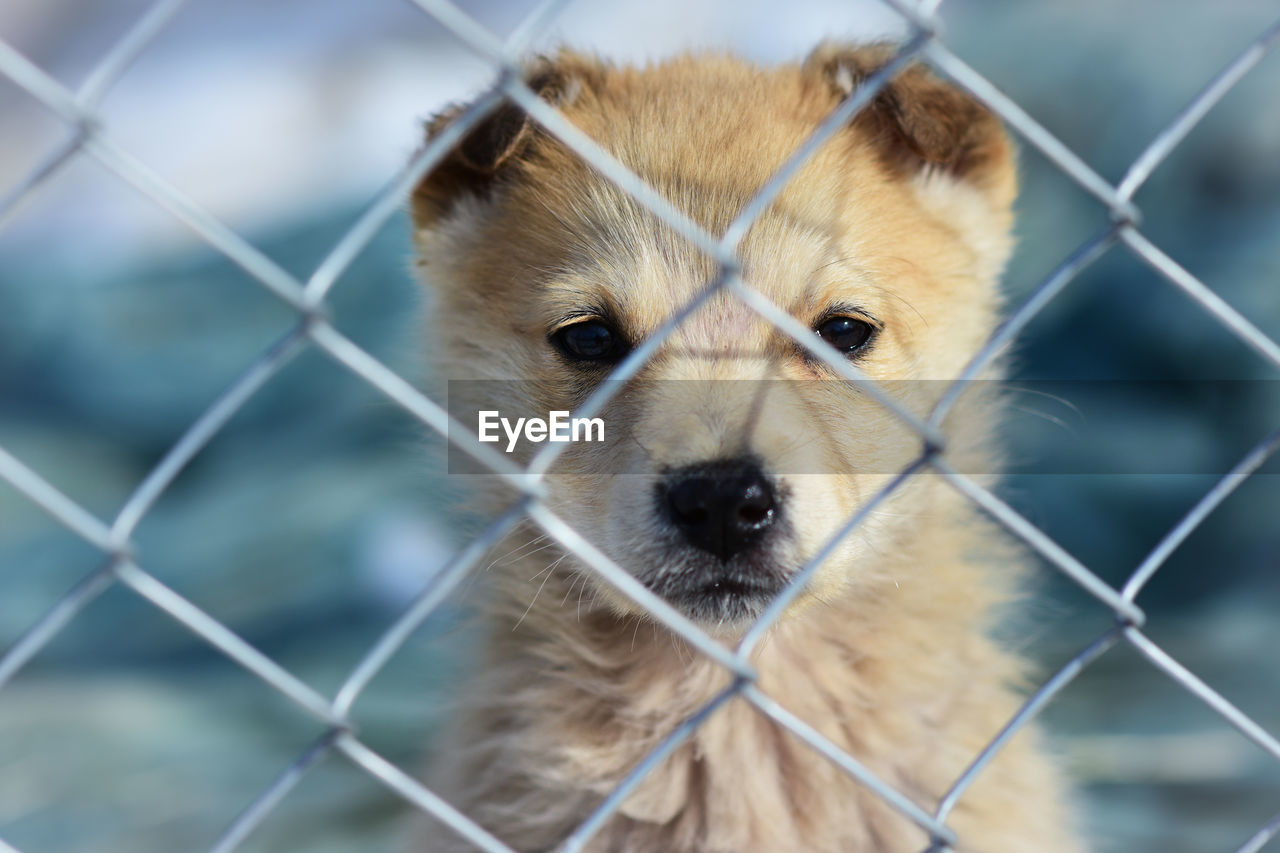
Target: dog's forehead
column 643, row 271
column 725, row 323
column 596, row 246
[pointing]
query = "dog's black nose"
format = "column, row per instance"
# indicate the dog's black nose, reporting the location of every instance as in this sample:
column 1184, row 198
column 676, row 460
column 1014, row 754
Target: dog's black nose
column 723, row 507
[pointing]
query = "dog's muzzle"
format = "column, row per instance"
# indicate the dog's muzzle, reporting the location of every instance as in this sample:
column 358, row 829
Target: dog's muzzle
column 724, row 507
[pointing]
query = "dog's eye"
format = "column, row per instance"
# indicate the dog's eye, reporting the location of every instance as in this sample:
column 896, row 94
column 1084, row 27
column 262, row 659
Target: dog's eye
column 592, row 340
column 847, row 334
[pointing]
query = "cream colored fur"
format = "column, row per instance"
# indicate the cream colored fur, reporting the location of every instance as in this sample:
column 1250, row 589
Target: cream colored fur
column 887, row 652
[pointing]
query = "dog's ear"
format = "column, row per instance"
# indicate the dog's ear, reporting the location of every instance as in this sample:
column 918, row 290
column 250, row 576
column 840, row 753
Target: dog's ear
column 918, row 120
column 495, row 144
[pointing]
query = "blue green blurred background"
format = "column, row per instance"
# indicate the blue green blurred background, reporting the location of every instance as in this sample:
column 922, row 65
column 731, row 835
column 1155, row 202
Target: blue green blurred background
column 309, row 523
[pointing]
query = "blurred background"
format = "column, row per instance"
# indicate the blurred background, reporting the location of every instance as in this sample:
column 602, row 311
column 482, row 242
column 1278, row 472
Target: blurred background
column 312, row 519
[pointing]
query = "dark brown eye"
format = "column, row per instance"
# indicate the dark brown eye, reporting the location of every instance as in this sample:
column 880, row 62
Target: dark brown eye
column 591, row 340
column 847, row 334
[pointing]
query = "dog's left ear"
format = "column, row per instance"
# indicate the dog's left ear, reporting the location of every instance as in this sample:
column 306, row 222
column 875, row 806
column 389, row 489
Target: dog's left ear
column 496, row 145
column 917, row 120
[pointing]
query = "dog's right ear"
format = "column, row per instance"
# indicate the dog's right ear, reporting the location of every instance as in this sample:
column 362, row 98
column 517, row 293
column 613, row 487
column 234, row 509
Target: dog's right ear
column 493, row 146
column 917, row 120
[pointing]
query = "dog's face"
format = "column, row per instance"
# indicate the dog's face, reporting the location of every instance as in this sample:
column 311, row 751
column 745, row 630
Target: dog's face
column 734, row 455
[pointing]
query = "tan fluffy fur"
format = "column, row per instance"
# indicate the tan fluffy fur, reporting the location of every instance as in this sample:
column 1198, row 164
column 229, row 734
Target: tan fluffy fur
column 906, row 213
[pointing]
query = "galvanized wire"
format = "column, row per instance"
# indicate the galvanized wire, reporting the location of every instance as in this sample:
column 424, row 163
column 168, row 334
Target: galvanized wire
column 1262, row 837
column 87, row 135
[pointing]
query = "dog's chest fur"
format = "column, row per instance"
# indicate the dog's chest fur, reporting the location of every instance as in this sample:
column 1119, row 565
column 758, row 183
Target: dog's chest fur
column 568, row 706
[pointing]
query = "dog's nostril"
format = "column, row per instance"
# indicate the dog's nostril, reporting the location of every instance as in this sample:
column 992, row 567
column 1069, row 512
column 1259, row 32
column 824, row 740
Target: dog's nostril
column 688, row 500
column 757, row 506
column 722, row 507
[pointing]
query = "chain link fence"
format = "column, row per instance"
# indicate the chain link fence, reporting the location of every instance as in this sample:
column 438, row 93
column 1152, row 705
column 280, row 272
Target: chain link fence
column 90, row 137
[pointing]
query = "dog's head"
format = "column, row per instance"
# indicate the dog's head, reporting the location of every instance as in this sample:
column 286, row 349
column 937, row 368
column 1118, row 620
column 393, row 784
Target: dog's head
column 734, row 454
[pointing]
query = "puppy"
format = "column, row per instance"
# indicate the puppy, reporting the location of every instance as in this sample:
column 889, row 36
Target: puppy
column 736, row 455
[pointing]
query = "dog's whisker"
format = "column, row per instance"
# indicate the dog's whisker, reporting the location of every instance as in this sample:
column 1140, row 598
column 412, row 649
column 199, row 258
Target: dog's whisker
column 529, row 554
column 514, row 551
column 531, row 602
column 897, row 297
column 573, row 582
column 549, row 568
column 581, row 589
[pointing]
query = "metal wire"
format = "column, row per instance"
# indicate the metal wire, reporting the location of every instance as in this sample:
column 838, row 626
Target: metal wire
column 596, row 820
column 1262, row 837
column 88, row 136
column 1028, row 712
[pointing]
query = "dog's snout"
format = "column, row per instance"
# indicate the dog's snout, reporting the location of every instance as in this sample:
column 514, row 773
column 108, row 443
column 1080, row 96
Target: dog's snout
column 723, row 507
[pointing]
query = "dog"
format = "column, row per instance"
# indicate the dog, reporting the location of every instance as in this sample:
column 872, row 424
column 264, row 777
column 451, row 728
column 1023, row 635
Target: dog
column 737, row 454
